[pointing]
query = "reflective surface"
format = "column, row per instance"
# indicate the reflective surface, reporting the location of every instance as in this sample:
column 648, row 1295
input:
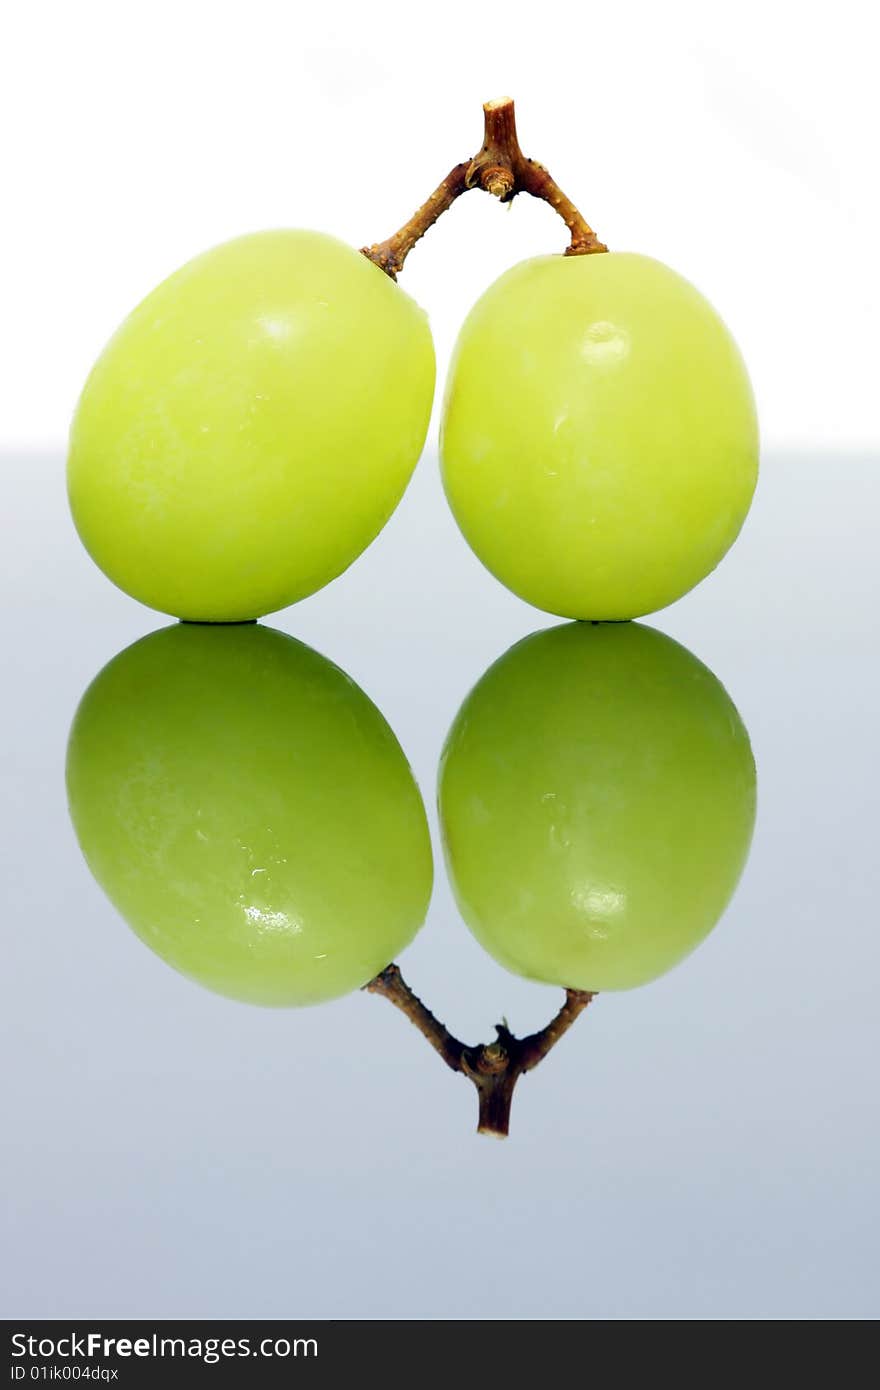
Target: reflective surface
column 703, row 1147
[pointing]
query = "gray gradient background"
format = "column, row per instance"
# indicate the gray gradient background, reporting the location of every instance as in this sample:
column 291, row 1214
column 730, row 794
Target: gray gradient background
column 705, row 1147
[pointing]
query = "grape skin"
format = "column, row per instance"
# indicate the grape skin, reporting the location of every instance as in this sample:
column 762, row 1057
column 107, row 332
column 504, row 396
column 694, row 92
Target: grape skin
column 250, row 427
column 599, row 439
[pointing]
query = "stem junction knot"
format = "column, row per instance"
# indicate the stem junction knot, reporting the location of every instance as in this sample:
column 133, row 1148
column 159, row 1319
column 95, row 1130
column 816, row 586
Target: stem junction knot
column 499, row 168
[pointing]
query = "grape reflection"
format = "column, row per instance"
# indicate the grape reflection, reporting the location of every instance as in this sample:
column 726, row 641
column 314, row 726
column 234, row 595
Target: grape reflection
column 250, row 813
column 252, row 816
column 597, row 800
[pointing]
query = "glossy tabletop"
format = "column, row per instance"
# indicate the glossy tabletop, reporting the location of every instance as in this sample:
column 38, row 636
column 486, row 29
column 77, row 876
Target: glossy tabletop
column 705, row 1146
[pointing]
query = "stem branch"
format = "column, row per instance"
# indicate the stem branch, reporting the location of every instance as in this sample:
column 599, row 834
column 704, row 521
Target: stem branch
column 494, row 1068
column 392, row 986
column 499, row 168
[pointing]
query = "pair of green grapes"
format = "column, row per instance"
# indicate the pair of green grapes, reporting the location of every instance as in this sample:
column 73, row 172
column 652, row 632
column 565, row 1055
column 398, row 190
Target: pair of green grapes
column 251, row 814
column 255, row 421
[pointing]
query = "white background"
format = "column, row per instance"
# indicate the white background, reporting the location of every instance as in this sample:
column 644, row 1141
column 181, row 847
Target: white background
column 736, row 142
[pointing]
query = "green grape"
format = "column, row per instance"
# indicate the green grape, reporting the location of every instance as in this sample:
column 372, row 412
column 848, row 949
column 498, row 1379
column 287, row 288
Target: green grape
column 597, row 799
column 250, row 814
column 599, row 440
column 251, row 426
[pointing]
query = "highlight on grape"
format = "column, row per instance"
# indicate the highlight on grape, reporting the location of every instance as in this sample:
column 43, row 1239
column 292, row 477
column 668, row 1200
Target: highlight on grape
column 253, row 423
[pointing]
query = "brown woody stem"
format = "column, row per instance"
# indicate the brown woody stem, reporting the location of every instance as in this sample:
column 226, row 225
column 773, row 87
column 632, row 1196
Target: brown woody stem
column 499, row 168
column 494, row 1068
